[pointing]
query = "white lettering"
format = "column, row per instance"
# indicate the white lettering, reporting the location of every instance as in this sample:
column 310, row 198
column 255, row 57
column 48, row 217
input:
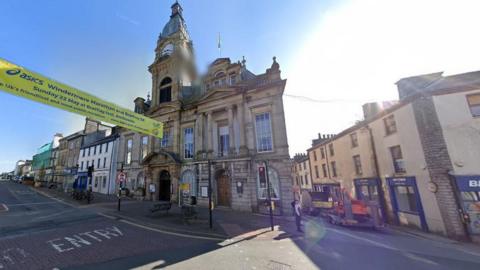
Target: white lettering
column 474, row 183
column 58, row 247
column 103, row 233
column 89, row 234
column 77, row 241
column 115, row 229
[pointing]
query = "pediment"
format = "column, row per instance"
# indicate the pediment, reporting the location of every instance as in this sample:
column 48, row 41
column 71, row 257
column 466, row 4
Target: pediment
column 219, row 93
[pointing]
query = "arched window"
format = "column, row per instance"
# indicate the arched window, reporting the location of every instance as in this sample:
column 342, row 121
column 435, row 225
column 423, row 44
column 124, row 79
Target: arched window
column 188, row 177
column 166, row 90
column 274, row 185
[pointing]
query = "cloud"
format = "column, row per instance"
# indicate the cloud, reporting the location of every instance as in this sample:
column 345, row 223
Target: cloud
column 127, row 19
column 360, row 48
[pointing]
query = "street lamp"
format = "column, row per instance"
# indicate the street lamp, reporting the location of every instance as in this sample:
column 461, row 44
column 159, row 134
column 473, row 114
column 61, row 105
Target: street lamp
column 210, row 193
column 269, row 198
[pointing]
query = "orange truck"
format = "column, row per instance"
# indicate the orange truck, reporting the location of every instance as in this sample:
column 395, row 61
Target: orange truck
column 352, row 212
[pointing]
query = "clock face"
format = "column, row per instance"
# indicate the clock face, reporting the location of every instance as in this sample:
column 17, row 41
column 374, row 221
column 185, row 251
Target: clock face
column 168, row 49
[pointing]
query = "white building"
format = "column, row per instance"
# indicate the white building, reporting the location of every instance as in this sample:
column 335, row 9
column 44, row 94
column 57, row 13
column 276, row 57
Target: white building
column 99, row 151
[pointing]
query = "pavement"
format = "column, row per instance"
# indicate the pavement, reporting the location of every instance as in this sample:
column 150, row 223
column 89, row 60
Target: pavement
column 44, row 229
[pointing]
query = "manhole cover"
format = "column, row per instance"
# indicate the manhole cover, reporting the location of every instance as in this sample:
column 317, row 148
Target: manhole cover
column 274, row 265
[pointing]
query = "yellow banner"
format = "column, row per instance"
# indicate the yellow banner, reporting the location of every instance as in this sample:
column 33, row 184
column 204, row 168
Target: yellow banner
column 22, row 82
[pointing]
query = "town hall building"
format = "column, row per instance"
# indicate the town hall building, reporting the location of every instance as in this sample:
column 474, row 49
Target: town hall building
column 229, row 118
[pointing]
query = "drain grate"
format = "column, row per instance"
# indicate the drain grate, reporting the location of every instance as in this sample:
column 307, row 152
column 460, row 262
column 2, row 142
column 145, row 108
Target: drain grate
column 274, row 265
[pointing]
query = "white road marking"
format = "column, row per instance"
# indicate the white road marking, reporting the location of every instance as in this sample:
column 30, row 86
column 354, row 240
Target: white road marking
column 364, row 239
column 4, row 208
column 418, row 258
column 37, row 203
column 163, row 231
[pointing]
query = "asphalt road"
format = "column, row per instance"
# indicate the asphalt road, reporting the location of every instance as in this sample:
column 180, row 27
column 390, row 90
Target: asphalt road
column 38, row 232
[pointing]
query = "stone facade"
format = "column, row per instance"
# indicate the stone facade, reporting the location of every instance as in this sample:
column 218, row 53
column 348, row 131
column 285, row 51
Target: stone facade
column 229, row 118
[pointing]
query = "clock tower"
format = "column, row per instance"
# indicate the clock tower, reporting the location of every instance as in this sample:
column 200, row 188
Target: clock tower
column 174, row 65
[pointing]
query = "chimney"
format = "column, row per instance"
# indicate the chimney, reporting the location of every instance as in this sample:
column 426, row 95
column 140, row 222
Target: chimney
column 416, row 84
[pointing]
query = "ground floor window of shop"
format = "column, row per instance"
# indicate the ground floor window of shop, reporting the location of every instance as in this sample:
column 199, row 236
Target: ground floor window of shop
column 406, row 198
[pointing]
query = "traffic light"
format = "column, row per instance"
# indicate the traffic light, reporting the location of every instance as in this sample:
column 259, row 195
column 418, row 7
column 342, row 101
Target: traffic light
column 90, row 170
column 262, row 177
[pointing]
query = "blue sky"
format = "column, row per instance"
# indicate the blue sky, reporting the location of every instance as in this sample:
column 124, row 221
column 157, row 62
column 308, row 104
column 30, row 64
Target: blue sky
column 104, row 47
column 338, row 53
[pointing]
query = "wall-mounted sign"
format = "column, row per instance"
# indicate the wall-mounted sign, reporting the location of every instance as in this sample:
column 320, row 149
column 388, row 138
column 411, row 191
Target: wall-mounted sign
column 432, row 187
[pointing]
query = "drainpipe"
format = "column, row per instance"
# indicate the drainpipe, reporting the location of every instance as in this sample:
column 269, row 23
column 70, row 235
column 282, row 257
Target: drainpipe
column 383, row 200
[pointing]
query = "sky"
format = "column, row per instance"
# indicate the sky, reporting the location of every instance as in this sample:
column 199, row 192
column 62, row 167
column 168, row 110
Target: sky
column 336, row 55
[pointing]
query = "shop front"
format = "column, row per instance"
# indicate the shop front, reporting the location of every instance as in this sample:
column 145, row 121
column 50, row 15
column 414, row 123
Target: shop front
column 469, row 189
column 406, row 203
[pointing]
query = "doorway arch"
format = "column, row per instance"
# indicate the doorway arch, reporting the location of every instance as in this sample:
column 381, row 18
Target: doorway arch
column 164, row 186
column 224, row 193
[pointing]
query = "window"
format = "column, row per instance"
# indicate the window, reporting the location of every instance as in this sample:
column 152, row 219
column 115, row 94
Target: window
column 390, row 125
column 71, row 145
column 358, row 164
column 334, row 168
column 314, row 155
column 354, row 139
column 128, row 157
column 96, row 181
column 324, row 170
column 223, row 141
column 83, row 152
column 98, row 164
column 88, row 163
column 274, row 185
column 397, row 158
column 233, row 79
column 166, row 90
column 474, row 104
column 301, row 179
column 306, row 179
column 316, row 172
column 322, row 153
column 104, row 162
column 81, row 166
column 95, row 150
column 165, row 138
column 89, row 151
column 330, row 148
column 406, row 198
column 106, row 147
column 144, row 148
column 104, row 182
column 296, row 179
column 304, row 165
column 188, row 143
column 100, row 148
column 263, row 132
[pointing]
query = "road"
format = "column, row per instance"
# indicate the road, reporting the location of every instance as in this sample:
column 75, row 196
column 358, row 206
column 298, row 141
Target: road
column 39, row 232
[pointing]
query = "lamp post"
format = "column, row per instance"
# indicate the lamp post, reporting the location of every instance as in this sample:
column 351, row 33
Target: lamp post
column 120, row 189
column 269, row 195
column 210, row 193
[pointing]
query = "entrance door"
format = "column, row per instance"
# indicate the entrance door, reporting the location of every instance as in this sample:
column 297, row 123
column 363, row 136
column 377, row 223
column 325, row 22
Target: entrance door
column 223, row 189
column 164, row 186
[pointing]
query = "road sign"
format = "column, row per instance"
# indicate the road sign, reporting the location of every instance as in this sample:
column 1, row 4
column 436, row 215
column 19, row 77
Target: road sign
column 122, row 177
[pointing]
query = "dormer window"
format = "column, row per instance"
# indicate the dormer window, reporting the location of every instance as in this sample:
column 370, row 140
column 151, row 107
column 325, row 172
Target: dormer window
column 166, row 90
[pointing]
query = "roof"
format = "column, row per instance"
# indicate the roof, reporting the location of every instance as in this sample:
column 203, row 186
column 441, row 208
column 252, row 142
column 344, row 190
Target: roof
column 174, row 25
column 101, row 141
column 442, row 85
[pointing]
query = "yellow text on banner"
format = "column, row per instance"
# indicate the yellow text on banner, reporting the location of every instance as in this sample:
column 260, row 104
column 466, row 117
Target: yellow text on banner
column 22, row 82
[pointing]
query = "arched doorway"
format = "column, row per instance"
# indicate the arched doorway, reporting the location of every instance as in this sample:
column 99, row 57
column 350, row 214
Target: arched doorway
column 223, row 188
column 164, row 186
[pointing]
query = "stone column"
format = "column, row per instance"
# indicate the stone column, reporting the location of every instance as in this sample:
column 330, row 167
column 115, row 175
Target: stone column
column 243, row 150
column 209, row 135
column 231, row 133
column 199, row 134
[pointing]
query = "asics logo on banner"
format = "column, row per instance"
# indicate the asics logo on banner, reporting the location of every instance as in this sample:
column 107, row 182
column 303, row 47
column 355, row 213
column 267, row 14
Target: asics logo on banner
column 12, row 72
column 23, row 75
